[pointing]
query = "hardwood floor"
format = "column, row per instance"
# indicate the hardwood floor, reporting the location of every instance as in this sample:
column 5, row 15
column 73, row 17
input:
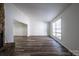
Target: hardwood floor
column 36, row 46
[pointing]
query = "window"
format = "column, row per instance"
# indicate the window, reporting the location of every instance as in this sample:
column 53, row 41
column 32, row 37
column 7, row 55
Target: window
column 57, row 28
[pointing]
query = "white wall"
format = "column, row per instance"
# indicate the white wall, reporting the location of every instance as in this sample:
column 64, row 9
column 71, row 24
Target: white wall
column 34, row 27
column 70, row 27
column 11, row 14
column 8, row 24
column 49, row 29
column 20, row 29
column 38, row 28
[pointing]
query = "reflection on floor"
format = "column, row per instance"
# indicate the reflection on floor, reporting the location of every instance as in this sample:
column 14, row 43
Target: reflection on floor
column 35, row 46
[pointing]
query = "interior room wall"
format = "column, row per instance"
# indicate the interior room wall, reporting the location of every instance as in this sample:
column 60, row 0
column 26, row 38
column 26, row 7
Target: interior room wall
column 49, row 28
column 12, row 14
column 35, row 27
column 70, row 28
column 20, row 29
column 38, row 28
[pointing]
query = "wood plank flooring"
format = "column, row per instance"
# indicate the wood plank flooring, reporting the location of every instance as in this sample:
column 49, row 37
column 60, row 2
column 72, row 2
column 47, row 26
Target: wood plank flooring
column 36, row 46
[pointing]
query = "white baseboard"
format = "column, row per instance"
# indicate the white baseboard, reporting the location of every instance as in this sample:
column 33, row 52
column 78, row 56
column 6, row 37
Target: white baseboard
column 75, row 52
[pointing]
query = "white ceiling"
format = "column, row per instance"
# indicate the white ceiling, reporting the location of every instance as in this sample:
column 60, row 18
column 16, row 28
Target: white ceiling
column 42, row 11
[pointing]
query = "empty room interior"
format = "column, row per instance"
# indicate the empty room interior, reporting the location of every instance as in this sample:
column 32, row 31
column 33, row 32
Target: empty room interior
column 39, row 29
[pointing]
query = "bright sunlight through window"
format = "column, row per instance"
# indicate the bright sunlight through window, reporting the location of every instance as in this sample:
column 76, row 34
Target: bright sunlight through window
column 57, row 28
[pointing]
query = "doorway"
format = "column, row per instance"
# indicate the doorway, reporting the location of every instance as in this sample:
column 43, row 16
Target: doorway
column 20, row 29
